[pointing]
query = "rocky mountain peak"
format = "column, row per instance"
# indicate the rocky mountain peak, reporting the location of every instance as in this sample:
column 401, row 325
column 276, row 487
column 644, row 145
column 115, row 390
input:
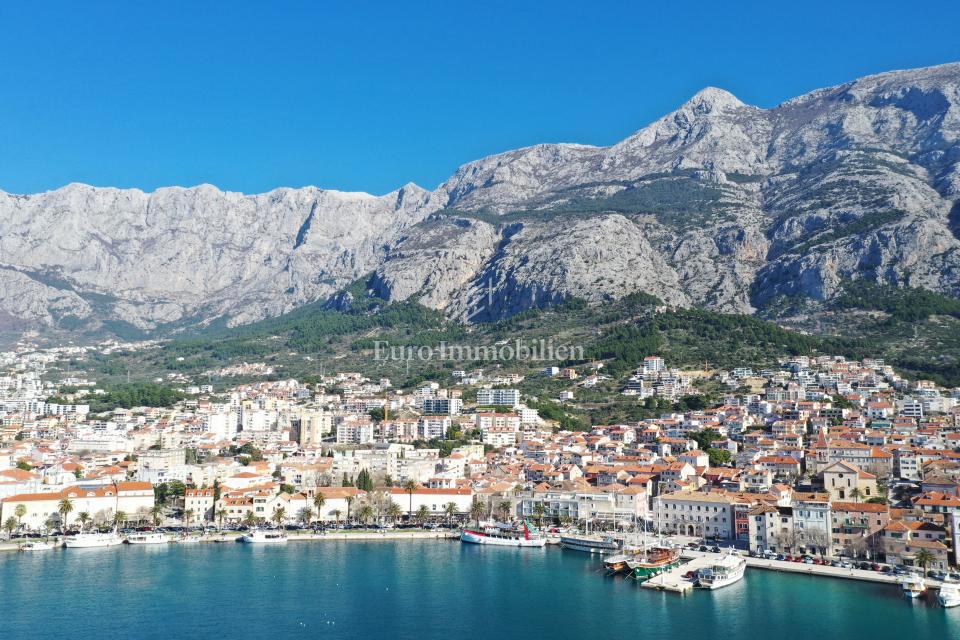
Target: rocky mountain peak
column 717, row 204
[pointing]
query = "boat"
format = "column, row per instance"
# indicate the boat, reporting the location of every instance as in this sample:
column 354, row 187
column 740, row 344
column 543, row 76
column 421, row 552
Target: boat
column 913, row 586
column 259, row 536
column 589, row 543
column 949, row 595
column 653, row 561
column 504, row 536
column 37, row 545
column 147, row 538
column 91, row 540
column 728, row 569
column 617, row 562
column 187, row 539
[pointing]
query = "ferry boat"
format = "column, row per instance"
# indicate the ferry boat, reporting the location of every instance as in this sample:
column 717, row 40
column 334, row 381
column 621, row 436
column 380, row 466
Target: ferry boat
column 913, row 586
column 724, row 572
column 147, row 538
column 589, row 543
column 264, row 537
column 653, row 561
column 91, row 540
column 504, row 536
column 949, row 595
column 37, row 545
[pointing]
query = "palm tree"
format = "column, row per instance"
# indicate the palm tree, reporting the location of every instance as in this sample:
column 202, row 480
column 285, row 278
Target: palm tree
column 83, row 518
column 349, row 501
column 119, row 518
column 855, row 493
column 10, row 524
column 366, row 512
column 504, row 509
column 64, row 508
column 156, row 513
column 539, row 511
column 410, row 486
column 187, row 517
column 20, row 511
column 250, row 519
column 336, row 515
column 451, row 510
column 279, row 516
column 220, row 515
column 923, row 558
column 306, row 516
column 394, row 511
column 423, row 514
column 319, row 500
column 477, row 510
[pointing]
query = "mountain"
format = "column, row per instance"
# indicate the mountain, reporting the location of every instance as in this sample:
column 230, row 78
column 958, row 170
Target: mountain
column 718, row 204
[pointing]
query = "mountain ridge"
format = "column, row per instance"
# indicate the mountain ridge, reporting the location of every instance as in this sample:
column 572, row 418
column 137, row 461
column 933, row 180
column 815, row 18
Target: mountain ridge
column 717, row 204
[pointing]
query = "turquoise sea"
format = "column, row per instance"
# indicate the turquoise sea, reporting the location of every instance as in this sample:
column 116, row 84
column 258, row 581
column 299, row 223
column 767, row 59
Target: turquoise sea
column 423, row 590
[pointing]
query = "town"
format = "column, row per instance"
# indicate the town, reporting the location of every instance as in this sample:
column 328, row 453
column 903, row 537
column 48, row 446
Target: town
column 821, row 457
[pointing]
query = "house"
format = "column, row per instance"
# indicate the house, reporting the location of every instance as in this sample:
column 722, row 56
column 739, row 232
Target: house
column 200, row 503
column 903, row 539
column 857, row 528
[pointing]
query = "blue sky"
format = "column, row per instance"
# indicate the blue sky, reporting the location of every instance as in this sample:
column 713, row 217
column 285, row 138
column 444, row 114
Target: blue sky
column 368, row 95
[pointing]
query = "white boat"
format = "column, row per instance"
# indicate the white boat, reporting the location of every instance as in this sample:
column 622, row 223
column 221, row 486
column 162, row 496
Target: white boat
column 728, row 569
column 503, row 536
column 187, row 539
column 264, row 537
column 90, row 540
column 949, row 595
column 913, row 586
column 589, row 543
column 38, row 545
column 147, row 538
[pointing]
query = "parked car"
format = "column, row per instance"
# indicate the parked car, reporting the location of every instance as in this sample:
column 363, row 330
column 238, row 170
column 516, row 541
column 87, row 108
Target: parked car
column 715, row 549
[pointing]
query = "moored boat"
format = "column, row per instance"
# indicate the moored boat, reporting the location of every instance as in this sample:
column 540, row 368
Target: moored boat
column 503, row 536
column 653, row 561
column 92, row 540
column 147, row 538
column 589, row 543
column 259, row 536
column 618, row 562
column 728, row 569
column 949, row 595
column 913, row 586
column 37, row 545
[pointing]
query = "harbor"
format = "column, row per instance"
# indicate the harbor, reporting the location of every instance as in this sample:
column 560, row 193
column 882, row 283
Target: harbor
column 214, row 588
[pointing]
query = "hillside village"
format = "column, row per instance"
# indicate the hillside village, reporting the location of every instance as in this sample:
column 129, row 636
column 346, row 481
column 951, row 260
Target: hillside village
column 822, row 456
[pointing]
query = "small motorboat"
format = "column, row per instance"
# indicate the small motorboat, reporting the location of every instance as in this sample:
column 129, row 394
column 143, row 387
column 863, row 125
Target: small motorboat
column 37, row 545
column 913, row 586
column 949, row 595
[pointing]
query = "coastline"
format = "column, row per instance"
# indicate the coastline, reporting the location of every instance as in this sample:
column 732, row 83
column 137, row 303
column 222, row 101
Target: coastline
column 366, row 536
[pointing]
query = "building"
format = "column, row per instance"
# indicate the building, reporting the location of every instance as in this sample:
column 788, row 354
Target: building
column 857, row 528
column 101, row 503
column 845, row 481
column 443, row 406
column 200, row 503
column 507, row 397
column 706, row 515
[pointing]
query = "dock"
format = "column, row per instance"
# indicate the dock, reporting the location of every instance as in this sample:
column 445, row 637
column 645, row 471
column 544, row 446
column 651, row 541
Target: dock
column 673, row 580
